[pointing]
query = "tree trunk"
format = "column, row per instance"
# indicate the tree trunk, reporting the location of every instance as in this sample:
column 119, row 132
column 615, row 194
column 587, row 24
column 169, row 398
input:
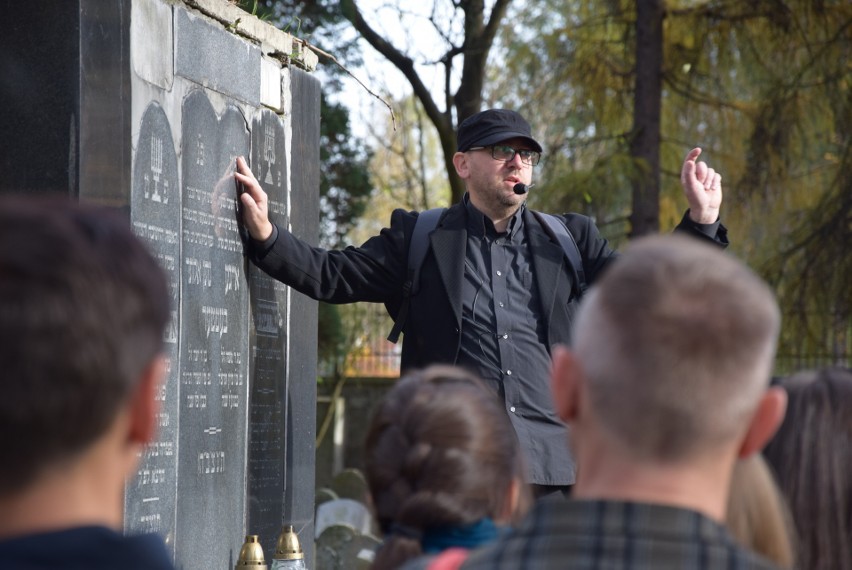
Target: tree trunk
column 645, row 139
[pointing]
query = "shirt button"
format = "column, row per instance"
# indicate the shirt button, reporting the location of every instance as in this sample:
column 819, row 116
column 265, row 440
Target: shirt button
column 512, row 409
column 505, row 336
column 508, row 373
column 501, row 303
column 499, row 273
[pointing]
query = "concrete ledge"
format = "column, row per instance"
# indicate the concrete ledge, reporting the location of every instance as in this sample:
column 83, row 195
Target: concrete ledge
column 273, row 41
column 220, row 61
column 152, row 42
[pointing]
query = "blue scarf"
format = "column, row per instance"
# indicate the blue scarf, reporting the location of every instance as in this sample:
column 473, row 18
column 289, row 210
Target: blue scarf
column 470, row 536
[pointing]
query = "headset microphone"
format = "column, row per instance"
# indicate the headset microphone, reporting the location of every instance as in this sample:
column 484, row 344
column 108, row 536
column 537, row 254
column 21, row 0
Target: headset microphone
column 521, row 188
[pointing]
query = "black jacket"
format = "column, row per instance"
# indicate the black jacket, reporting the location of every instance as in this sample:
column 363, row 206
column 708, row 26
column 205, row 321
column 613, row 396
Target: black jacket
column 377, row 270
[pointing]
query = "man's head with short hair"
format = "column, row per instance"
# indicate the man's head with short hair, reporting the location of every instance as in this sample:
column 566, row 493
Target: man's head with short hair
column 83, row 307
column 496, row 152
column 674, row 346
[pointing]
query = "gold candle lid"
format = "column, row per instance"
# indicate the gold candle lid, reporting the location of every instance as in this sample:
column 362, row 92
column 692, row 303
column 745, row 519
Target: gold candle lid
column 251, row 555
column 288, row 547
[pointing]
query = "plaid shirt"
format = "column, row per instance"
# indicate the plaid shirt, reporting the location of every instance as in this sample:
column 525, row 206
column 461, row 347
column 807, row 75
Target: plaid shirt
column 613, row 535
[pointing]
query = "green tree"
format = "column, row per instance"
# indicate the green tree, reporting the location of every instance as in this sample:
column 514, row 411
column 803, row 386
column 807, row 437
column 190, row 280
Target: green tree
column 345, row 186
column 647, row 102
column 763, row 87
column 406, row 168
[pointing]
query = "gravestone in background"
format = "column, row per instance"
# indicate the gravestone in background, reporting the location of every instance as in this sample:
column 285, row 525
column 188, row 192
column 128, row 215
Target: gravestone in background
column 154, row 196
column 214, row 332
column 144, row 105
column 267, row 475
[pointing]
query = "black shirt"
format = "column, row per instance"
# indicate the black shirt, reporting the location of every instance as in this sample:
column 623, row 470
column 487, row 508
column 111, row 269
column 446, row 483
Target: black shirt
column 503, row 336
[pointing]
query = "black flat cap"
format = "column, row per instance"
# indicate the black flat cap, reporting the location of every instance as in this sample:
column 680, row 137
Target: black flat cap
column 492, row 126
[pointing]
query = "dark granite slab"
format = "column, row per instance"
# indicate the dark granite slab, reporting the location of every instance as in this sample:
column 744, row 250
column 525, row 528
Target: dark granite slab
column 39, row 72
column 150, row 500
column 235, row 448
column 214, row 341
column 301, row 394
column 64, row 95
column 104, row 135
column 267, row 416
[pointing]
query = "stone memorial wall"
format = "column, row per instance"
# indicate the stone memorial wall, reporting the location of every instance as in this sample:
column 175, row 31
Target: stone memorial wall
column 144, row 105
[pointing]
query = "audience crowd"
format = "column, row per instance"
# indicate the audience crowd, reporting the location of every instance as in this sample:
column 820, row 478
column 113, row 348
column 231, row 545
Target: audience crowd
column 665, row 389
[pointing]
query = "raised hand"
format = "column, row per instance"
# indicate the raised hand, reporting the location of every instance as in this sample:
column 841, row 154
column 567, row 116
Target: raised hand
column 703, row 189
column 255, row 203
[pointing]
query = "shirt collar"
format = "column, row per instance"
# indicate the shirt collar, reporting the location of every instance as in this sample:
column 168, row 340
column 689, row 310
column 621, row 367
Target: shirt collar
column 480, row 225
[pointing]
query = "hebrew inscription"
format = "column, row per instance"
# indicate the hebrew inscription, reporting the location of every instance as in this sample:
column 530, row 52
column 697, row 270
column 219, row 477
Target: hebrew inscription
column 214, row 338
column 155, row 216
column 267, row 444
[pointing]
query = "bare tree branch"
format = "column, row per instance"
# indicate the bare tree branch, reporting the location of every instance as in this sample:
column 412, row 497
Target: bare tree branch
column 441, row 119
column 333, row 59
column 400, row 60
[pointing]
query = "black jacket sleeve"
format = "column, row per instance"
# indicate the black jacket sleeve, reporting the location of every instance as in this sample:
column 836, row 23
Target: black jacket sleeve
column 597, row 254
column 711, row 233
column 373, row 272
column 594, row 249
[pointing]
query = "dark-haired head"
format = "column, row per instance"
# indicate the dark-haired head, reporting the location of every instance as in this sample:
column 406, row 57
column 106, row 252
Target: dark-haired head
column 441, row 453
column 83, row 307
column 812, row 457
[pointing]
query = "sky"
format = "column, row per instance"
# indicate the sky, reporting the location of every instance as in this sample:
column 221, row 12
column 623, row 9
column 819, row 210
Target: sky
column 405, row 23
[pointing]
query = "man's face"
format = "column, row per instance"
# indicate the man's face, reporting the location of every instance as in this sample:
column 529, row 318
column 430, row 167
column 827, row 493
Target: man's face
column 491, row 181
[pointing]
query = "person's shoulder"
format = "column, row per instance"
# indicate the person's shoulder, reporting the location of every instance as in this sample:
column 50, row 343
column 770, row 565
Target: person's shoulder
column 407, row 219
column 522, row 543
column 576, row 221
column 93, row 547
column 572, row 220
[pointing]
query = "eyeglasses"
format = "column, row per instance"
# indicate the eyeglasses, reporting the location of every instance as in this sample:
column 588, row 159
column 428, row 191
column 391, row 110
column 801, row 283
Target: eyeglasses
column 507, row 154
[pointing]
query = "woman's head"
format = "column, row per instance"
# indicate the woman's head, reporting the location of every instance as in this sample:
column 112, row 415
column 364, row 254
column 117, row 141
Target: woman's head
column 812, row 458
column 440, row 452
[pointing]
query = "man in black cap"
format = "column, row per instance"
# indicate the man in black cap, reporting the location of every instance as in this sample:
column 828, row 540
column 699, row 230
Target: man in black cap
column 496, row 289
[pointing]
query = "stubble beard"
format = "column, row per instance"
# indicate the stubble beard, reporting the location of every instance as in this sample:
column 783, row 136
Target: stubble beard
column 499, row 203
column 508, row 204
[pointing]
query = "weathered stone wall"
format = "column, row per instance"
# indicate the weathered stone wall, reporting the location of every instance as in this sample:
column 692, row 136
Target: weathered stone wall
column 144, row 105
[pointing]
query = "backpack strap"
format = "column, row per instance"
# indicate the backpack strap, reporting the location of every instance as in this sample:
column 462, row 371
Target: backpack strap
column 569, row 245
column 417, row 248
column 419, row 245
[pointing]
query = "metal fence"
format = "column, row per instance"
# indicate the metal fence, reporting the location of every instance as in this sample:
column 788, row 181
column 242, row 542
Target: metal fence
column 811, row 341
column 825, row 341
